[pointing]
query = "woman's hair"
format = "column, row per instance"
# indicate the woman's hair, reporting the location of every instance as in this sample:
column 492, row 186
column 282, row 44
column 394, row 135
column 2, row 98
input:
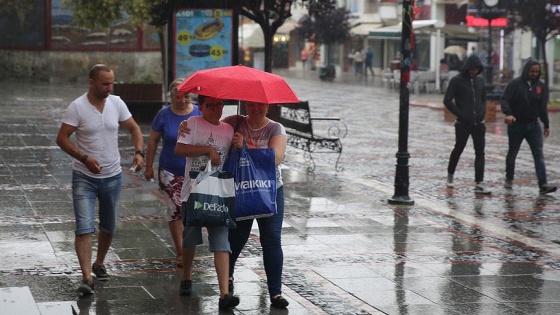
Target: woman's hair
column 173, row 86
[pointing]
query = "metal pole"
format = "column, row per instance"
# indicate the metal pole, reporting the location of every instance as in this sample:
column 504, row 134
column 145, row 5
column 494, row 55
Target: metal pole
column 407, row 43
column 489, row 61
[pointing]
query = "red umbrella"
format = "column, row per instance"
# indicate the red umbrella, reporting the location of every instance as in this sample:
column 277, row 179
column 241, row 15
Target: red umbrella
column 240, row 83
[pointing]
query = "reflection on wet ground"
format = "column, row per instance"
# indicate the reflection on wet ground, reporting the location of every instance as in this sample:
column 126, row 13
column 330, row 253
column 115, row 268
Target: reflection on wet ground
column 346, row 250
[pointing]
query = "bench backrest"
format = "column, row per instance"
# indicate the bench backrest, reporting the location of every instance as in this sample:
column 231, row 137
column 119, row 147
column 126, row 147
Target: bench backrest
column 295, row 117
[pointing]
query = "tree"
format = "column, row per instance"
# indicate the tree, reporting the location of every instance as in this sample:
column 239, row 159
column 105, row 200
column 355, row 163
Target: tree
column 538, row 16
column 101, row 14
column 270, row 15
column 326, row 24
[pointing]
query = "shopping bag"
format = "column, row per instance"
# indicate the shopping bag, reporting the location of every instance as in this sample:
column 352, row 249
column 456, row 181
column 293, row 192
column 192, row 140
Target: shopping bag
column 254, row 172
column 211, row 202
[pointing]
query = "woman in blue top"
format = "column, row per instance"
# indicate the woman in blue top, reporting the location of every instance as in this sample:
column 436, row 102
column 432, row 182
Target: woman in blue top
column 171, row 169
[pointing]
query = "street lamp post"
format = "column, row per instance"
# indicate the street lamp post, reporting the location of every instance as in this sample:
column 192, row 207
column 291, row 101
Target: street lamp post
column 489, row 61
column 401, row 176
column 490, row 9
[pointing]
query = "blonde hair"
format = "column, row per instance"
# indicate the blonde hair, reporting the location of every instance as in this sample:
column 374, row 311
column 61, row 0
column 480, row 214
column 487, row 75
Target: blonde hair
column 173, row 86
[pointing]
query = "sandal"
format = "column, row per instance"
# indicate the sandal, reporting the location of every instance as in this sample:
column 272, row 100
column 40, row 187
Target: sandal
column 279, row 302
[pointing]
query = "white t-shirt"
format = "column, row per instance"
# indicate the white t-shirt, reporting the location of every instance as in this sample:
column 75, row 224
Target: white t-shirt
column 97, row 133
column 204, row 133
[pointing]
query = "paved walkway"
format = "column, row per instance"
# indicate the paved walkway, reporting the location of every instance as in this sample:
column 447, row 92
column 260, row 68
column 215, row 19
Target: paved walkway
column 347, row 251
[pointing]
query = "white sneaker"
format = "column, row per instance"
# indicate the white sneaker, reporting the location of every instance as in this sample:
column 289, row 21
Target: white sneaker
column 449, row 182
column 508, row 184
column 480, row 188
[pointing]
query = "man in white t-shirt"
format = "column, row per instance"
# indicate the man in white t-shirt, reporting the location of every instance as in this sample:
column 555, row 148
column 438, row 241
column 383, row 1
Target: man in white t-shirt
column 209, row 138
column 95, row 117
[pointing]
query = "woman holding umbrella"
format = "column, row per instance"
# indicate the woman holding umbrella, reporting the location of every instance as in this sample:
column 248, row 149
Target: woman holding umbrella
column 258, row 131
column 255, row 89
column 171, row 167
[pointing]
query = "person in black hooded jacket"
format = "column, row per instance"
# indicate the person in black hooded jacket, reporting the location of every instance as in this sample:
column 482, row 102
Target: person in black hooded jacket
column 524, row 101
column 465, row 97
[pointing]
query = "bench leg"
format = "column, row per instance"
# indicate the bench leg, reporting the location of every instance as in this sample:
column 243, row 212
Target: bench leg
column 309, row 159
column 337, row 167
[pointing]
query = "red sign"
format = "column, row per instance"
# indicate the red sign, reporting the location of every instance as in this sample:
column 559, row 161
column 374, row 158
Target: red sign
column 480, row 22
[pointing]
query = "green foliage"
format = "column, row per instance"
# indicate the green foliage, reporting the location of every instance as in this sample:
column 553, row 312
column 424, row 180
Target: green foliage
column 270, row 15
column 533, row 15
column 325, row 24
column 102, row 13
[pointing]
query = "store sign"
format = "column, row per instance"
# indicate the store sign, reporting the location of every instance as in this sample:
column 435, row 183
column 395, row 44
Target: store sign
column 203, row 40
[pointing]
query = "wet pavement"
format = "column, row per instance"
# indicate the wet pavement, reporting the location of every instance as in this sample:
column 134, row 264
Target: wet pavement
column 347, row 251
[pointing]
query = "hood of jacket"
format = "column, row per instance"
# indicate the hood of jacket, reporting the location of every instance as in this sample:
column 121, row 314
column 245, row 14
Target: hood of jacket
column 473, row 61
column 525, row 71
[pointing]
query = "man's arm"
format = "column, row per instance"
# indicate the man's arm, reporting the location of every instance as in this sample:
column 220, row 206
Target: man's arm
column 137, row 140
column 505, row 106
column 64, row 142
column 448, row 99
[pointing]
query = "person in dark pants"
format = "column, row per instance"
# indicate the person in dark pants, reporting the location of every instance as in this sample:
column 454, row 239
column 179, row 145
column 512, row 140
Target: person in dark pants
column 369, row 62
column 465, row 97
column 524, row 101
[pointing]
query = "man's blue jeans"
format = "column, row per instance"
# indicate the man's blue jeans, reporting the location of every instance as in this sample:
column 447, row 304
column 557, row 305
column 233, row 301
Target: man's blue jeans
column 532, row 132
column 85, row 192
column 270, row 230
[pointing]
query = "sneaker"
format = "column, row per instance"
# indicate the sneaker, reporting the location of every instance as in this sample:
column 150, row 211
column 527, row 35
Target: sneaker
column 545, row 189
column 508, row 183
column 86, row 287
column 228, row 301
column 185, row 289
column 480, row 188
column 100, row 272
column 449, row 182
column 279, row 302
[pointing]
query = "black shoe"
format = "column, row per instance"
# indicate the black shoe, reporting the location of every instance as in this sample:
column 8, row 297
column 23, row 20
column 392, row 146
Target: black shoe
column 230, row 286
column 185, row 289
column 279, row 302
column 86, row 287
column 228, row 301
column 100, row 272
column 545, row 189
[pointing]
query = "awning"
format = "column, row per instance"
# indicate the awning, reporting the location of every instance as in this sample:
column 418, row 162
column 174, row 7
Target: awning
column 287, row 27
column 425, row 26
column 363, row 29
column 460, row 32
column 394, row 31
column 251, row 35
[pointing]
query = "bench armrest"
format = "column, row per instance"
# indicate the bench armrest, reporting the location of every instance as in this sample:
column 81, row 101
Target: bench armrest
column 324, row 118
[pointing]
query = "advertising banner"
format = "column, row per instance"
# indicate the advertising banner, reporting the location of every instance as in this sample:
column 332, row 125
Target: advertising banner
column 203, row 40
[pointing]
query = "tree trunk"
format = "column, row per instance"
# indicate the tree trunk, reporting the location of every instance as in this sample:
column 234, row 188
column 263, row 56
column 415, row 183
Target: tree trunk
column 542, row 41
column 268, row 38
column 164, row 84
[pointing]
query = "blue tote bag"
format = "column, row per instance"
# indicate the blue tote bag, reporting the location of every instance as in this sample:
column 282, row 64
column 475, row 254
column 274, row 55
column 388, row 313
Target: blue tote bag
column 254, row 174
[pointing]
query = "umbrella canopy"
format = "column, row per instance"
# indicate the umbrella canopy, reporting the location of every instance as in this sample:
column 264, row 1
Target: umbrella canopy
column 455, row 50
column 240, row 83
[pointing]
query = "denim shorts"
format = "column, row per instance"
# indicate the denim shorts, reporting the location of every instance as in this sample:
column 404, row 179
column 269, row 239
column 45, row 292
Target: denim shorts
column 85, row 191
column 217, row 238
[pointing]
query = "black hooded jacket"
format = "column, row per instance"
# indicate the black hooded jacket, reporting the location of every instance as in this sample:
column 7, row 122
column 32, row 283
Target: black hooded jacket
column 465, row 97
column 526, row 100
